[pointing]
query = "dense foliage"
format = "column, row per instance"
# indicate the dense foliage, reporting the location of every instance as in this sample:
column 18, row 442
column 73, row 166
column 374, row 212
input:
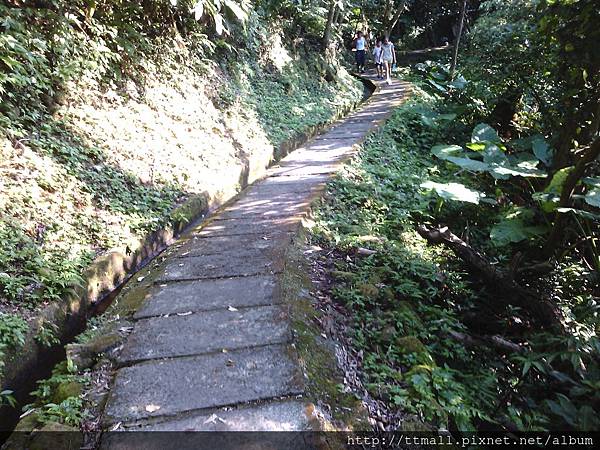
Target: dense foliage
column 480, row 199
column 492, row 319
column 114, row 113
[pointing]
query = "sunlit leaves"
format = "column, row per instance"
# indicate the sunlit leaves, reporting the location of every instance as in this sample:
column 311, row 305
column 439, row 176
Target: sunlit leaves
column 515, row 226
column 443, row 151
column 484, row 133
column 593, row 198
column 217, row 10
column 454, row 191
column 487, row 143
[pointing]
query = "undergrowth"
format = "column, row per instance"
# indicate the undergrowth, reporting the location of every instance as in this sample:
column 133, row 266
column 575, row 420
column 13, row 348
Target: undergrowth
column 409, row 301
column 107, row 128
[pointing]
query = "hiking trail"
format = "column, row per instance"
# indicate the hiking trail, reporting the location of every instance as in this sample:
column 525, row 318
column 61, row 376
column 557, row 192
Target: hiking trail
column 213, row 339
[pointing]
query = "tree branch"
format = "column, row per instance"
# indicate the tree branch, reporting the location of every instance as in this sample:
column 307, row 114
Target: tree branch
column 463, row 10
column 555, row 238
column 543, row 310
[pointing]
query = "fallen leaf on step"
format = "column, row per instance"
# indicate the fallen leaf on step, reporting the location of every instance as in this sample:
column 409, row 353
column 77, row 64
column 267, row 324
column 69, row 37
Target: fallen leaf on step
column 152, row 408
column 211, row 419
column 231, row 308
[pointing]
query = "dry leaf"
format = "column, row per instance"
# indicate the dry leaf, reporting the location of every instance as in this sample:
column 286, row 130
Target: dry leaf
column 152, row 408
column 211, row 419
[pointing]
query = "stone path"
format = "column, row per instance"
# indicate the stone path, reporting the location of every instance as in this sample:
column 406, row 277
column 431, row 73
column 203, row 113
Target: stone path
column 211, row 348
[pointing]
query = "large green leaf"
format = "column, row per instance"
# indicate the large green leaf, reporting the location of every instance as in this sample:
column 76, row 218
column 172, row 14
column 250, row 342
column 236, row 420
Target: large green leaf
column 579, row 212
column 493, row 155
column 484, row 133
column 514, row 227
column 438, row 86
column 541, row 149
column 558, row 180
column 459, row 83
column 504, row 170
column 550, row 197
column 476, row 146
column 444, row 150
column 593, row 197
column 591, row 182
column 469, row 164
column 454, row 191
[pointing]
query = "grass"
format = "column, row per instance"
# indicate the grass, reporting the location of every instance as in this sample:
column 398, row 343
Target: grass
column 399, row 306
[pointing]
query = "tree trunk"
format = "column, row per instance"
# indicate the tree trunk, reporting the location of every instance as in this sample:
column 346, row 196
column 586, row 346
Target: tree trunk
column 395, row 19
column 543, row 310
column 497, row 342
column 337, row 17
column 555, row 238
column 329, row 24
column 463, row 10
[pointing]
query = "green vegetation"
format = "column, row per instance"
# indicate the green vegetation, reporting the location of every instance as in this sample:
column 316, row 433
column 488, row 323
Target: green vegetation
column 109, row 123
column 476, row 304
column 399, row 300
column 478, row 308
column 57, row 399
column 12, row 333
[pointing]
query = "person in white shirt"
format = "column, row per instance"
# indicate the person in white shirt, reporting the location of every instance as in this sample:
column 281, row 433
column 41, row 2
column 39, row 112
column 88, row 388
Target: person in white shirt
column 360, row 45
column 378, row 58
column 388, row 54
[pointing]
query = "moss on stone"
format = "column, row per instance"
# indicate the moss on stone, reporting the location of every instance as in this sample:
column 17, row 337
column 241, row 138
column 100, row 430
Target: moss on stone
column 317, row 358
column 340, row 275
column 411, row 322
column 410, row 344
column 65, row 390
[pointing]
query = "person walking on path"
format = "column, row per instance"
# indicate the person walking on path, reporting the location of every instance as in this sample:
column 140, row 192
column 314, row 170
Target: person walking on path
column 388, row 54
column 360, row 45
column 378, row 58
